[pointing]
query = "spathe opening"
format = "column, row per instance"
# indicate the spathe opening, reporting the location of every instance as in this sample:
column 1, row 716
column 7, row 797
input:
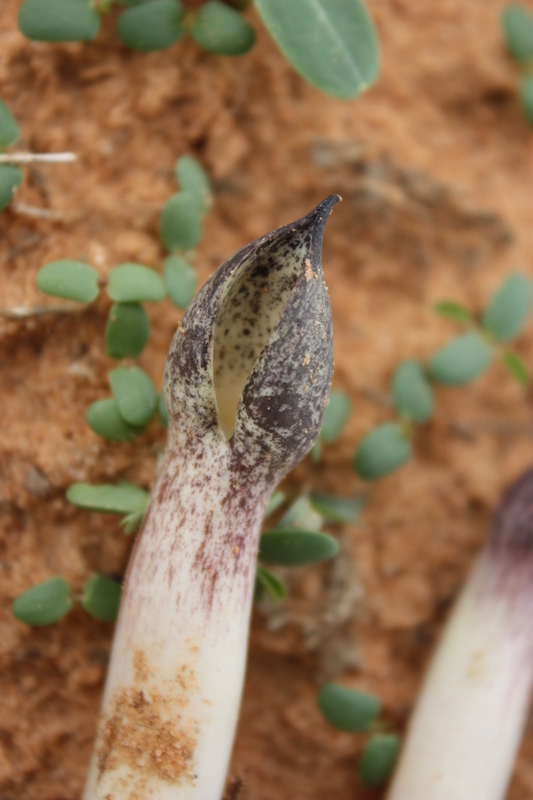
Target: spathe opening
column 252, row 306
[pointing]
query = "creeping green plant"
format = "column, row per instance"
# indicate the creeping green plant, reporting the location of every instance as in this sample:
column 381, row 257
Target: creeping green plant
column 331, row 43
column 10, row 174
column 51, row 600
column 459, row 362
column 357, row 712
column 134, row 402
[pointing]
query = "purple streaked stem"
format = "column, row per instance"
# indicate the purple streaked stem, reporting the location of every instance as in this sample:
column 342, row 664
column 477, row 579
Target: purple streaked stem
column 246, row 385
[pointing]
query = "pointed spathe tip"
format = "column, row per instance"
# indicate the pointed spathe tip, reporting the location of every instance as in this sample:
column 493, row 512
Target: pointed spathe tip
column 317, row 218
column 326, row 205
column 323, row 209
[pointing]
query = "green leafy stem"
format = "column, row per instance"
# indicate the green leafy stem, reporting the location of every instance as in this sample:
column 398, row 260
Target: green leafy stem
column 465, row 358
column 134, row 401
column 354, row 711
column 332, row 45
column 11, row 174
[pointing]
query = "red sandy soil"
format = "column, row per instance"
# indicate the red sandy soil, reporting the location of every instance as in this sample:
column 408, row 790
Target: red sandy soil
column 435, row 167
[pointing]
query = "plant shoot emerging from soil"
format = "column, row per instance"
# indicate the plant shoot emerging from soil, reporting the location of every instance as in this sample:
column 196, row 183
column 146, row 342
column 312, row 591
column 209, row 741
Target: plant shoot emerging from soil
column 246, row 385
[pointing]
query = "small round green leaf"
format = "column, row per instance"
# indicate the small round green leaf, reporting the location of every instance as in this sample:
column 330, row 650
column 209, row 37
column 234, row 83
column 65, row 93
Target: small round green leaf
column 301, row 515
column 125, row 498
column 135, row 395
column 517, row 24
column 222, row 30
column 526, row 97
column 412, row 392
column 180, row 281
column 454, row 312
column 162, row 411
column 133, row 283
column 348, row 709
column 10, row 180
column 154, row 25
column 192, row 178
column 460, row 361
column 516, row 367
column 337, row 509
column 43, row 604
column 331, row 43
column 509, row 308
column 127, row 331
column 58, row 20
column 268, row 583
column 180, row 223
column 277, row 499
column 72, row 280
column 382, row 451
column 101, row 598
column 294, row 548
column 104, row 419
column 379, row 758
column 9, row 129
column 337, row 414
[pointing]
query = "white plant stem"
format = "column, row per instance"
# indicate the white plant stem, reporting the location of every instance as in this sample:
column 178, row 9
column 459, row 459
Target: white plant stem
column 21, row 312
column 37, row 158
column 176, row 676
column 470, row 716
column 36, row 212
column 246, row 383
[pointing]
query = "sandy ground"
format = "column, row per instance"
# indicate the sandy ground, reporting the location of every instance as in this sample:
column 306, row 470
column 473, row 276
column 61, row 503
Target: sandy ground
column 435, row 167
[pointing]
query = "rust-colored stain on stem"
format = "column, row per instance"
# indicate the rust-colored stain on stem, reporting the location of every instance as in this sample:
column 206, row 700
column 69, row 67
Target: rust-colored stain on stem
column 137, row 733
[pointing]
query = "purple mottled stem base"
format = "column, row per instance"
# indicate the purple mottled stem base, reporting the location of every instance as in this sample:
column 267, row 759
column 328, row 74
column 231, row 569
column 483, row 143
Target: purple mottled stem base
column 172, row 699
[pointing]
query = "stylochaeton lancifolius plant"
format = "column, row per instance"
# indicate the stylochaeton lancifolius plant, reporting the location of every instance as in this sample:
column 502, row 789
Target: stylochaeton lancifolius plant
column 295, row 540
column 246, row 389
column 246, row 385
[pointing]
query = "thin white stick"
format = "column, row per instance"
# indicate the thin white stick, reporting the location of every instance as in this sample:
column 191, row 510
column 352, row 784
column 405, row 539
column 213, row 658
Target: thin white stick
column 43, row 158
column 36, row 212
column 21, row 312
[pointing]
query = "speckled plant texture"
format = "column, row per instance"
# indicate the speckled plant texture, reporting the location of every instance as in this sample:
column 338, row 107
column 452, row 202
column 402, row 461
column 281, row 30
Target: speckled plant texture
column 246, row 384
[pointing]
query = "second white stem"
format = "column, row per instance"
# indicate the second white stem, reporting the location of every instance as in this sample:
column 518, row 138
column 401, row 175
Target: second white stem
column 469, row 719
